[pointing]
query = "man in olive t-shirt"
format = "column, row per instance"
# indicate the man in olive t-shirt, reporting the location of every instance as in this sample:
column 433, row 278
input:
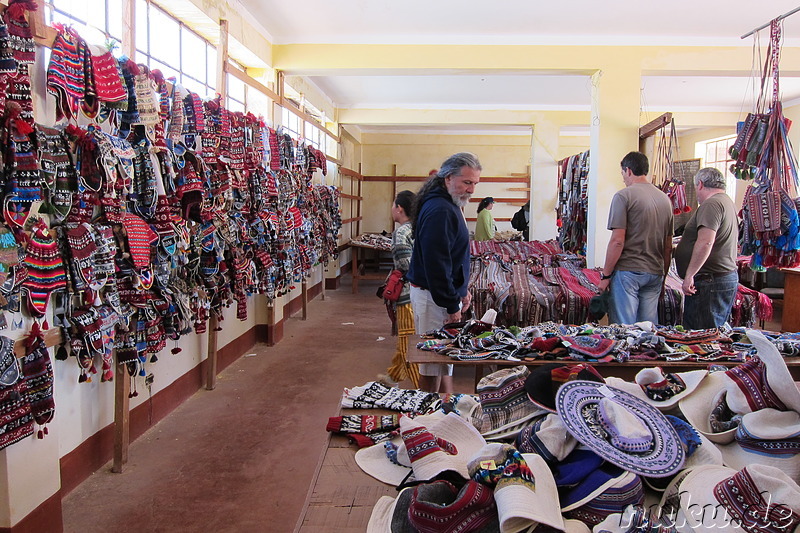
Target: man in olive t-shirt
column 638, row 254
column 706, row 255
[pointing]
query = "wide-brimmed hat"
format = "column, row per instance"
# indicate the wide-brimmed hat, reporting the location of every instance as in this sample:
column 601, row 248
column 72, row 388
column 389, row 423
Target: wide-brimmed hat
column 503, row 402
column 758, row 498
column 545, row 380
column 706, row 409
column 449, row 449
column 548, row 437
column 435, row 507
column 762, row 382
column 658, row 389
column 524, row 488
column 375, row 460
column 620, row 427
column 767, row 437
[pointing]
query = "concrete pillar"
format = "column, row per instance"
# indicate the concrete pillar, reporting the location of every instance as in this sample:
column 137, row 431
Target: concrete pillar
column 614, row 133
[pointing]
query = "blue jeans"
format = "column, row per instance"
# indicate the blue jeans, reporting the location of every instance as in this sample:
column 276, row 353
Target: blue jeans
column 634, row 297
column 710, row 306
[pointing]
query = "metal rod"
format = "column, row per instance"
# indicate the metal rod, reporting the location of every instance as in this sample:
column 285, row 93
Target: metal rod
column 751, row 32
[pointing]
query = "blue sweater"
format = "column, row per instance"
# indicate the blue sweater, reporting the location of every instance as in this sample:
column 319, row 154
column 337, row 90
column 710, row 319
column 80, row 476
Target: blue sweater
column 440, row 260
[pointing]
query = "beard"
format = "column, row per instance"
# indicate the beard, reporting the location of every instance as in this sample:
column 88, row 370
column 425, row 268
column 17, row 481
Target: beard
column 460, row 201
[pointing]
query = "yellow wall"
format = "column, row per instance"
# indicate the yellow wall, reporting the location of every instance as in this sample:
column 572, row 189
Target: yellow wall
column 416, row 155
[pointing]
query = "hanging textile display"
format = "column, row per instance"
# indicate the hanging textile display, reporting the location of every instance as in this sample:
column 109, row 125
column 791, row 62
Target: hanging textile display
column 532, row 282
column 764, row 154
column 571, row 211
column 663, row 171
column 134, row 232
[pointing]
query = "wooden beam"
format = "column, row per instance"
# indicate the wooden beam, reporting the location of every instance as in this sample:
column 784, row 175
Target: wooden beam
column 521, row 189
column 304, row 289
column 498, row 219
column 487, row 179
column 333, row 160
column 288, row 104
column 500, row 200
column 211, row 364
column 122, row 420
column 252, row 82
column 653, row 126
column 129, row 29
column 52, row 337
column 349, row 220
column 349, row 196
column 352, row 173
column 222, row 60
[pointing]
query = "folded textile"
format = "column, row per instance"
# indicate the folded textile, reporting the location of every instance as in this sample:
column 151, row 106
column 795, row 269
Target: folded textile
column 374, row 395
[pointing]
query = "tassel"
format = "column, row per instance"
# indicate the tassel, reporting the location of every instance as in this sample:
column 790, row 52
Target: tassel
column 40, row 434
column 45, row 325
column 45, row 431
column 176, row 350
column 82, row 378
column 61, row 353
column 153, row 358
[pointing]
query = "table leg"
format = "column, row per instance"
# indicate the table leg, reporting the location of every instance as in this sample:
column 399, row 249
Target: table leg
column 355, row 269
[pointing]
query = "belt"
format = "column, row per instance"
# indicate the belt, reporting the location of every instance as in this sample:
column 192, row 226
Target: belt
column 710, row 276
column 417, row 286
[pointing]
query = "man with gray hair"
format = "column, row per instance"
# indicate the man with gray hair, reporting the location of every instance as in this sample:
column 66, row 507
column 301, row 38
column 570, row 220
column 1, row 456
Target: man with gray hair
column 439, row 271
column 706, row 254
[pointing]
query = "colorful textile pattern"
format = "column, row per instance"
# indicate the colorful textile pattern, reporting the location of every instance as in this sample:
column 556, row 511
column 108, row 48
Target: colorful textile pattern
column 589, row 346
column 510, row 468
column 45, row 269
column 365, row 430
column 421, row 443
column 38, row 372
column 502, row 399
column 751, row 378
column 438, row 507
column 612, row 500
column 374, row 395
column 66, row 74
column 746, row 503
column 16, row 420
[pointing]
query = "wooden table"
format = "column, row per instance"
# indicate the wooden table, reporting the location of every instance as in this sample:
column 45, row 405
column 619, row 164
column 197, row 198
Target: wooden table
column 625, row 371
column 341, row 496
column 360, row 251
column 790, row 320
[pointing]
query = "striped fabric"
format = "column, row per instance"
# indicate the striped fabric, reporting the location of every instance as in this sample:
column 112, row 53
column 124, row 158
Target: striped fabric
column 401, row 368
column 66, row 72
column 45, row 269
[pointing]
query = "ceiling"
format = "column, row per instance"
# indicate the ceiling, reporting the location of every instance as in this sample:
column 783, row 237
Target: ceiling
column 582, row 22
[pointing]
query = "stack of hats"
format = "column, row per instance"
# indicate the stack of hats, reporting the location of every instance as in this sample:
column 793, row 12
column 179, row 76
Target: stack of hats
column 582, row 453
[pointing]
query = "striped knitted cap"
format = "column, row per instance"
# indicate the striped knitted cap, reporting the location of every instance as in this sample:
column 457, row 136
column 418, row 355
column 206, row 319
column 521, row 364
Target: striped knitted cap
column 438, row 507
column 66, row 72
column 140, row 240
column 45, row 269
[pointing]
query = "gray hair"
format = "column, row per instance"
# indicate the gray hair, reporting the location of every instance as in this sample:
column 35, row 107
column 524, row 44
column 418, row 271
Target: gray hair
column 453, row 165
column 711, row 178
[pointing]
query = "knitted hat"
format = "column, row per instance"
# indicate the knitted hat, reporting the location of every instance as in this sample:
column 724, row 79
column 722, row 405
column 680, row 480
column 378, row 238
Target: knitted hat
column 147, row 105
column 9, row 366
column 524, row 488
column 140, row 239
column 38, row 372
column 450, row 449
column 7, row 62
column 503, row 402
column 764, row 381
column 65, row 73
column 108, row 81
column 658, row 389
column 45, row 269
column 437, row 507
column 544, row 381
column 620, row 427
column 21, row 37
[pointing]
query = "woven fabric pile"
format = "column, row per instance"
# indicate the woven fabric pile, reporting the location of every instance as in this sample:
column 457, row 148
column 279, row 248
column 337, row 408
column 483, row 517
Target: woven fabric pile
column 165, row 210
column 378, row 241
column 475, row 340
column 563, row 448
column 533, row 282
column 573, row 202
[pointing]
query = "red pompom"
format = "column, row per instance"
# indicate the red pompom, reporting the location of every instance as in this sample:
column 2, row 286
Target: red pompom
column 176, row 350
column 40, row 434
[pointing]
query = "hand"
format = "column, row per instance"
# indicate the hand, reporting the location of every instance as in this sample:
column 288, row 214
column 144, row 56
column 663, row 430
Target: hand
column 455, row 317
column 688, row 286
column 604, row 283
column 466, row 301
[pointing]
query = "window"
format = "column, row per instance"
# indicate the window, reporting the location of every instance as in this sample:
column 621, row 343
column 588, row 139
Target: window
column 97, row 21
column 165, row 43
column 715, row 153
column 291, row 123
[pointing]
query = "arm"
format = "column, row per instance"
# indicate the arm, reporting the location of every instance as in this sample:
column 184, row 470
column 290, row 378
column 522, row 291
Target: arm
column 700, row 252
column 613, row 251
